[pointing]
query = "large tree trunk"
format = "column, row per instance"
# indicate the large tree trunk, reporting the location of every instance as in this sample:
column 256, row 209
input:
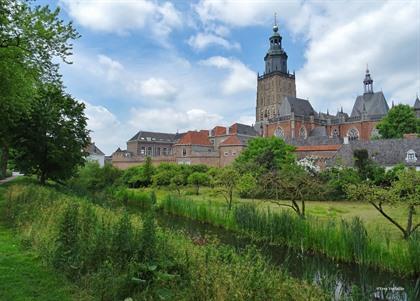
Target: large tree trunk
column 3, row 160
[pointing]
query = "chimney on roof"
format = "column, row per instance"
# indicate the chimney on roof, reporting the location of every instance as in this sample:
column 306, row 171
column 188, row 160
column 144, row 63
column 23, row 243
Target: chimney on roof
column 410, row 136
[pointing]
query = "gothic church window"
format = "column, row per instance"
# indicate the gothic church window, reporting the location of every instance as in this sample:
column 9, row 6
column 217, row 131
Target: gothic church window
column 353, row 134
column 184, row 152
column 302, row 133
column 279, row 133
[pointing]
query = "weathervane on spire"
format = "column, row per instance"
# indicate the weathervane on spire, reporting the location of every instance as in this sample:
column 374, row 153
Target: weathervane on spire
column 275, row 27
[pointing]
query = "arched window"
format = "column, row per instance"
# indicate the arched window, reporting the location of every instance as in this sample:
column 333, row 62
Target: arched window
column 184, row 152
column 353, row 134
column 279, row 133
column 302, row 133
column 335, row 133
column 411, row 156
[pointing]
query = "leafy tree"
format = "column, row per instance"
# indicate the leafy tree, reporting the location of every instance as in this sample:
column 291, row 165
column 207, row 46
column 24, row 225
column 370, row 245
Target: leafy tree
column 247, row 186
column 264, row 154
column 292, row 183
column 148, row 171
column 367, row 168
column 177, row 182
column 30, row 39
column 93, row 178
column 336, row 180
column 227, row 180
column 139, row 176
column 53, row 136
column 405, row 191
column 198, row 179
column 400, row 120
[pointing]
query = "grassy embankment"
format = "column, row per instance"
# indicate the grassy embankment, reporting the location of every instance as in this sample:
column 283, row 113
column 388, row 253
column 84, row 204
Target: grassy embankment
column 335, row 229
column 113, row 255
column 23, row 276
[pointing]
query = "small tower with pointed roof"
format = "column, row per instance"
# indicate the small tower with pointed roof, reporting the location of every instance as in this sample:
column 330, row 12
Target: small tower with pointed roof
column 368, row 82
column 417, row 106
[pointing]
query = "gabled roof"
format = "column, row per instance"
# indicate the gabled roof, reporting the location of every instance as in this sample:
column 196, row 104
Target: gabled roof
column 242, row 129
column 92, row 149
column 371, row 104
column 195, row 138
column 155, row 136
column 299, row 106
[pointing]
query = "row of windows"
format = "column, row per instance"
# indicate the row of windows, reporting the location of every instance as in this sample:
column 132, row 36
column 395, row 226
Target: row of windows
column 158, row 151
column 232, row 153
column 353, row 133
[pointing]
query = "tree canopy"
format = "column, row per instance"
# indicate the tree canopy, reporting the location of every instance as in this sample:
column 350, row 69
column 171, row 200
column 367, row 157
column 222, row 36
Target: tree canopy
column 400, row 120
column 404, row 191
column 264, row 154
column 53, row 136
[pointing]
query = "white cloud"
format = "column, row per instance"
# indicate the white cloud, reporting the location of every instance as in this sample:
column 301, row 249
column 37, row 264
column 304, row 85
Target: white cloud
column 106, row 130
column 172, row 120
column 158, row 88
column 112, row 68
column 240, row 77
column 337, row 54
column 341, row 38
column 202, row 41
column 122, row 17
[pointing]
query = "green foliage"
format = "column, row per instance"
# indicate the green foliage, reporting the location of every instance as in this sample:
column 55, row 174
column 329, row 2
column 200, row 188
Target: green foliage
column 337, row 179
column 367, row 168
column 139, row 176
column 405, row 190
column 264, row 154
column 92, row 178
column 400, row 120
column 134, row 258
column 177, row 182
column 343, row 241
column 67, row 250
column 198, row 179
column 247, row 186
column 52, row 136
column 32, row 37
column 226, row 181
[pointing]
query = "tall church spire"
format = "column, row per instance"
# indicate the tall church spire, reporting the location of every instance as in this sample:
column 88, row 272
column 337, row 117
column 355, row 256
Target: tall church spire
column 368, row 81
column 276, row 57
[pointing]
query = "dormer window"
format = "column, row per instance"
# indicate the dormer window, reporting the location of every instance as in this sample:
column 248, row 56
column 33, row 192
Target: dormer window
column 411, row 156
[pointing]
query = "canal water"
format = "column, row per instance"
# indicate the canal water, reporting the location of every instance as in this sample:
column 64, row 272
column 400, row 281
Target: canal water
column 341, row 281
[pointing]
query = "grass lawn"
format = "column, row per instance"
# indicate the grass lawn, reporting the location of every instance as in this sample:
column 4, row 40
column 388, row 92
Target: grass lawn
column 374, row 221
column 23, row 277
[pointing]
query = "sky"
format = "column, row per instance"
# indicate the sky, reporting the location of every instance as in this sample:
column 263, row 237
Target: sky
column 189, row 65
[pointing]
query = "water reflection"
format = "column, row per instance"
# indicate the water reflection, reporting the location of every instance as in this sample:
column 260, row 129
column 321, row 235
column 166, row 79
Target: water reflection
column 343, row 281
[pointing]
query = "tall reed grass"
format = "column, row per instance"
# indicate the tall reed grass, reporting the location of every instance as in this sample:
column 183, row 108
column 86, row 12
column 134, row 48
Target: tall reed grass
column 346, row 241
column 114, row 255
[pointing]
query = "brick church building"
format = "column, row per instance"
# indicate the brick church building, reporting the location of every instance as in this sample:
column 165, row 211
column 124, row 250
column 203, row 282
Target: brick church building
column 278, row 113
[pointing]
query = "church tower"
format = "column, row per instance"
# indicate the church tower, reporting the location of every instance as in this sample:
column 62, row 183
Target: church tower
column 276, row 82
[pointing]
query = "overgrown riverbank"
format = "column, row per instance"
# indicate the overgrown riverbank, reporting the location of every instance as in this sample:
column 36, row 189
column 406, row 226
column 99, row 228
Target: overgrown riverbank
column 346, row 241
column 114, row 255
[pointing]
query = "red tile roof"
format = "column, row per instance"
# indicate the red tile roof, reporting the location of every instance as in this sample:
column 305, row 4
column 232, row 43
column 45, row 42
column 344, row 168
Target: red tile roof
column 232, row 140
column 195, row 138
column 308, row 148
